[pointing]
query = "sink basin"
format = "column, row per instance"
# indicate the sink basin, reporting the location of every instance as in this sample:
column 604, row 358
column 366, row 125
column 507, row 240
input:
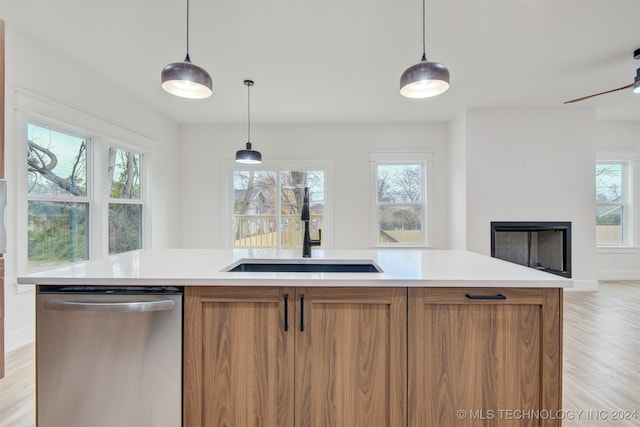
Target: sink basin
column 304, row 266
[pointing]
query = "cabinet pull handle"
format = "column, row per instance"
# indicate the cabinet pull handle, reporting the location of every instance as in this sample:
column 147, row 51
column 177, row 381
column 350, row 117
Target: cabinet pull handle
column 302, row 313
column 486, row 297
column 286, row 312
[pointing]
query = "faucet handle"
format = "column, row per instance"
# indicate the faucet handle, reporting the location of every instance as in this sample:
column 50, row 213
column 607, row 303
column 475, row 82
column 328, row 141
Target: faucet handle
column 319, row 241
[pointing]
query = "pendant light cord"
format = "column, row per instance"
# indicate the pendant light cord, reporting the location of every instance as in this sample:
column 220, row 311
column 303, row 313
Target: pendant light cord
column 187, row 59
column 248, row 113
column 424, row 47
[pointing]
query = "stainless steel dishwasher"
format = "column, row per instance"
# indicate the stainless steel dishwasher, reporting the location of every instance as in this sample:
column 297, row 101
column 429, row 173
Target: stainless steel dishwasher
column 109, row 356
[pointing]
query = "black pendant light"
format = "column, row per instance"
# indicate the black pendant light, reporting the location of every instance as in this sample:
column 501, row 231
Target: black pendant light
column 426, row 78
column 248, row 155
column 186, row 79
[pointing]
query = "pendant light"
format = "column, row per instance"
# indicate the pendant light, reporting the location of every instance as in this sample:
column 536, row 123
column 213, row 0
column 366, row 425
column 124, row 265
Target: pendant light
column 186, row 79
column 426, row 78
column 248, row 156
column 636, row 84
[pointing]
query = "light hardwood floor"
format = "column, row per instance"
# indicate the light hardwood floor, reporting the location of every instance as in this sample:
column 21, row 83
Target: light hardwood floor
column 601, row 363
column 602, row 356
column 17, row 389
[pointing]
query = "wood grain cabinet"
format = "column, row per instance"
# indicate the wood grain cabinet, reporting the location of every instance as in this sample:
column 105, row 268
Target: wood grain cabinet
column 484, row 357
column 295, row 357
column 372, row 357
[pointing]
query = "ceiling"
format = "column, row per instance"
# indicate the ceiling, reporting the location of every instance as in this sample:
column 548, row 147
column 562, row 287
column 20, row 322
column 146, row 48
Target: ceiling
column 339, row 61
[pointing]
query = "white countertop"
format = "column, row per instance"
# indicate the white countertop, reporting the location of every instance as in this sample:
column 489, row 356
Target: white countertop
column 206, row 267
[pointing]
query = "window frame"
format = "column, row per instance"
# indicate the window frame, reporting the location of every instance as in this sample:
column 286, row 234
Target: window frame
column 100, row 136
column 87, row 199
column 423, row 158
column 122, row 201
column 629, row 162
column 279, row 166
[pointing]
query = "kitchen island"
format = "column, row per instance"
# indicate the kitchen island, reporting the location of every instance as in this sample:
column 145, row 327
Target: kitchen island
column 437, row 338
column 207, row 267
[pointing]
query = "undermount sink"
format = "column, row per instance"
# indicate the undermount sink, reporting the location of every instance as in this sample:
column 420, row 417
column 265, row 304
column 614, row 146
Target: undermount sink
column 303, row 266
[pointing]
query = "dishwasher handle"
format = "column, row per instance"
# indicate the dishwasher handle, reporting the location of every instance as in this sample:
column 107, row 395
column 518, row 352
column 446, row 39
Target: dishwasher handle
column 129, row 306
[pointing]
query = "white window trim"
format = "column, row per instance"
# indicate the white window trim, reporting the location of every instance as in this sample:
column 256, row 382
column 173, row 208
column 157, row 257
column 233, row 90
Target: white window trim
column 408, row 157
column 631, row 195
column 326, row 166
column 33, row 108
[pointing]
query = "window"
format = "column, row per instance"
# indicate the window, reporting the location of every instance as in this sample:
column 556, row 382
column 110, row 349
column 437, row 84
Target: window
column 613, row 193
column 125, row 202
column 58, row 202
column 84, row 197
column 267, row 206
column 400, row 199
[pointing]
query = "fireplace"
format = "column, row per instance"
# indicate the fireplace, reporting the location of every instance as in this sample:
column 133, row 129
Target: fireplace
column 544, row 246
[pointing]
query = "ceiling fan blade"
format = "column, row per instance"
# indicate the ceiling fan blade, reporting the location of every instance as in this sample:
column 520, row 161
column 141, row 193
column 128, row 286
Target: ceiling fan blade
column 597, row 94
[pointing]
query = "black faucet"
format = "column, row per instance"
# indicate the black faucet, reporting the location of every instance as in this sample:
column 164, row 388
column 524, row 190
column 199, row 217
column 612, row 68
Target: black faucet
column 307, row 242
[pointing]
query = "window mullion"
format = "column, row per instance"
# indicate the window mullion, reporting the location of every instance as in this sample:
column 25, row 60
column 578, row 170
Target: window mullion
column 59, row 199
column 124, row 201
column 278, row 209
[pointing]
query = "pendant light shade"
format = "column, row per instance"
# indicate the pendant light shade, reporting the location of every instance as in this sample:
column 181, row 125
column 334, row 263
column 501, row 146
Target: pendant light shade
column 248, row 156
column 186, row 79
column 426, row 78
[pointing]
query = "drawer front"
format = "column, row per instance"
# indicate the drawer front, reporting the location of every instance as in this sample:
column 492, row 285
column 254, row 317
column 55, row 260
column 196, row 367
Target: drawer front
column 479, row 295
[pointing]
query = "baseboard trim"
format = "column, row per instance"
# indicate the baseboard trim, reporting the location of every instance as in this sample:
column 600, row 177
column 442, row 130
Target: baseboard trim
column 583, row 285
column 618, row 275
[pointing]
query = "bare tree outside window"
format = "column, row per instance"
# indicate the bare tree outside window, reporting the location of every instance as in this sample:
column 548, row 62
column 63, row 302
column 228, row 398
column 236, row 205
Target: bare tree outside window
column 58, row 208
column 400, row 199
column 267, row 207
column 610, row 203
column 125, row 207
column 59, row 197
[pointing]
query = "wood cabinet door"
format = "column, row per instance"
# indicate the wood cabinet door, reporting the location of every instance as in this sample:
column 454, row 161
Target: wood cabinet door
column 484, row 362
column 238, row 357
column 351, row 357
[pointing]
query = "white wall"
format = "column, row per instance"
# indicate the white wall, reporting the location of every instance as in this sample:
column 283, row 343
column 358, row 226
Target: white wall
column 623, row 263
column 34, row 69
column 457, row 173
column 533, row 165
column 205, row 149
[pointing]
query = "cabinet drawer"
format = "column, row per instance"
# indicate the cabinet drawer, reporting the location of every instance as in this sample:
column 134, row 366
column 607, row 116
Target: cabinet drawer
column 479, row 295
